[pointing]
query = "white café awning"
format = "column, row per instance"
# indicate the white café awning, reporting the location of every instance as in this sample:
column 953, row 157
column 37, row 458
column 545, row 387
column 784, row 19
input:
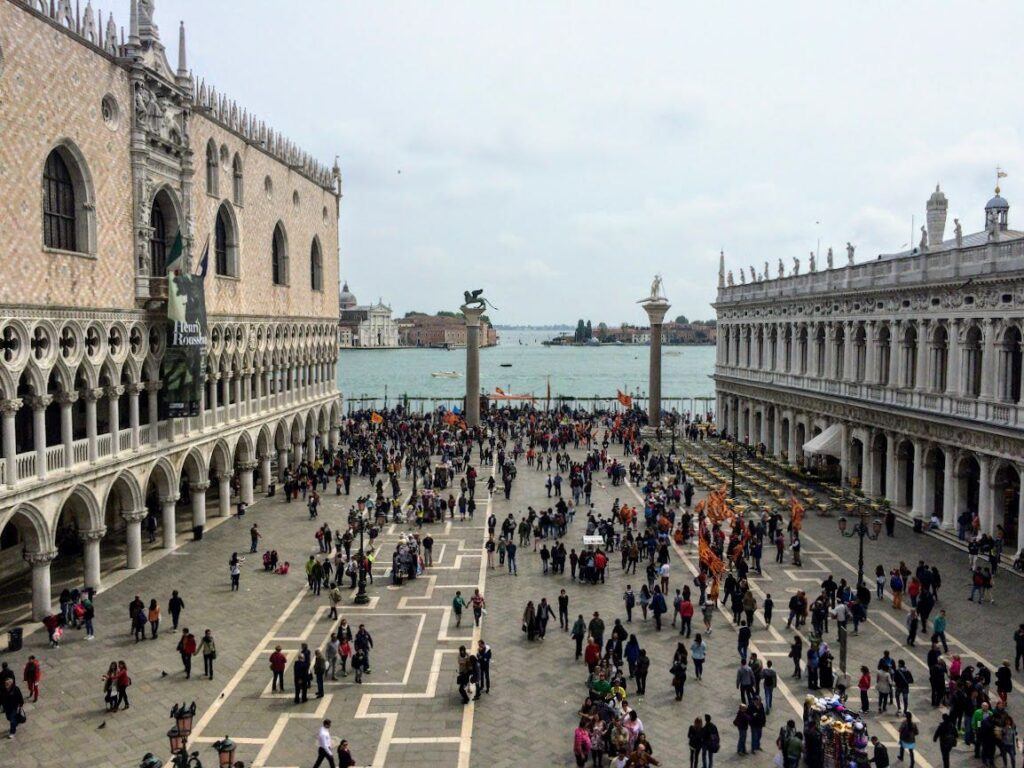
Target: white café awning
column 827, row 443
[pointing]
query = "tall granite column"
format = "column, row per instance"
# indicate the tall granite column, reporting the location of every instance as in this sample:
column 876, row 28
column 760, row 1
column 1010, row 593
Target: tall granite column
column 656, row 309
column 472, row 315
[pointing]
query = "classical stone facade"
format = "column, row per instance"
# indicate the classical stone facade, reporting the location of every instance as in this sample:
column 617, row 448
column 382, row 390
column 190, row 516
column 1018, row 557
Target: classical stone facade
column 367, row 326
column 911, row 362
column 108, row 153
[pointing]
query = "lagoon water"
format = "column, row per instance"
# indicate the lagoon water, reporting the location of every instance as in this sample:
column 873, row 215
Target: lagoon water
column 574, row 371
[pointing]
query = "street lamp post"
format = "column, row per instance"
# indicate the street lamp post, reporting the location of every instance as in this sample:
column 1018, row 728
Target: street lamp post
column 178, row 737
column 673, row 422
column 861, row 530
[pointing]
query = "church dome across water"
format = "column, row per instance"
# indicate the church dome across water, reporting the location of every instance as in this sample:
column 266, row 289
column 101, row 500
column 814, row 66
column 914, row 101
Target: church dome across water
column 346, row 299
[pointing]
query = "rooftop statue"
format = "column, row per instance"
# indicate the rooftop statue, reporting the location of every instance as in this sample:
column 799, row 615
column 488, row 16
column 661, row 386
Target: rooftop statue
column 849, row 253
column 924, row 239
column 476, row 298
column 730, row 280
column 782, row 269
column 796, row 266
column 958, row 233
column 828, row 257
column 812, row 267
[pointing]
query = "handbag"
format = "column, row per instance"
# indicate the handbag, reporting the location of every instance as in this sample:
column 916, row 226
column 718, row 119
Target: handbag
column 21, row 716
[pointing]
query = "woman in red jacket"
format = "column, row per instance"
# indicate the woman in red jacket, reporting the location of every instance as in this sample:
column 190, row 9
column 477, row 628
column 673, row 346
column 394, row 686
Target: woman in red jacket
column 864, row 684
column 33, row 674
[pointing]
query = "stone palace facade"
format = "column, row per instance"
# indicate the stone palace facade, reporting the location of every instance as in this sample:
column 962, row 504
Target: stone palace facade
column 905, row 370
column 107, row 154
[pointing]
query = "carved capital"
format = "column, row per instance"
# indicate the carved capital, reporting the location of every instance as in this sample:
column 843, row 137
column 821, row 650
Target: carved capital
column 134, row 515
column 67, row 398
column 39, row 559
column 115, row 391
column 136, row 388
column 94, row 535
column 199, row 487
column 92, row 395
column 154, row 386
column 39, row 402
column 11, row 406
column 164, row 500
column 213, row 376
column 247, row 466
column 222, row 477
column 268, row 456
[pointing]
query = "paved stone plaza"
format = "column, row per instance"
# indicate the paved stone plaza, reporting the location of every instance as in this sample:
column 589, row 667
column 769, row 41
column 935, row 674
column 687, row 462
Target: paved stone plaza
column 408, row 712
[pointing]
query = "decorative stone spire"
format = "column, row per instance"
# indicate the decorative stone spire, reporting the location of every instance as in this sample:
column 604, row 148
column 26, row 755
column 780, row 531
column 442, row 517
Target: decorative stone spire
column 133, row 24
column 182, row 62
column 936, row 217
column 721, row 268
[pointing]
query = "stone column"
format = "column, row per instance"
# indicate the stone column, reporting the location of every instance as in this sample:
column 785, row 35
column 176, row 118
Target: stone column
column 91, row 396
column 114, row 417
column 199, row 502
column 777, row 437
column 238, row 394
column 792, row 439
column 917, row 497
column 154, row 413
column 869, row 457
column 42, row 603
column 472, row 315
column 224, row 493
column 923, row 382
column 133, row 414
column 265, row 469
column 245, row 471
column 949, row 505
column 870, row 353
column 953, row 364
column 334, row 437
column 1020, row 513
column 764, row 426
column 168, row 510
column 9, row 409
column 311, row 446
column 282, row 461
column 212, row 377
column 91, row 555
column 850, row 351
column 896, row 355
column 988, row 360
column 844, row 454
column 225, row 394
column 985, row 516
column 246, row 401
column 257, row 404
column 38, row 404
column 133, row 535
column 890, row 467
column 67, row 432
column 656, row 308
column 297, row 446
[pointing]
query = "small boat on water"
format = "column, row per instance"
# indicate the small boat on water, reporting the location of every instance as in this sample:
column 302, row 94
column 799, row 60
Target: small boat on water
column 446, row 374
column 506, row 365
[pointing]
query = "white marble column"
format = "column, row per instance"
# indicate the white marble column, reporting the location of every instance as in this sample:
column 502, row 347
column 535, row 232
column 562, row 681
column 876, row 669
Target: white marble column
column 245, row 472
column 988, row 360
column 777, row 437
column 225, row 395
column 792, row 439
column 168, row 514
column 870, row 352
column 917, row 496
column 213, row 377
column 949, row 494
column 67, row 432
column 265, row 470
column 257, row 405
column 283, row 455
column 844, row 454
column 890, row 468
column 953, row 363
column 245, row 403
column 1020, row 512
column 133, row 536
column 869, row 459
column 38, row 405
column 91, row 555
column 133, row 415
column 985, row 511
column 154, row 413
column 849, row 352
column 114, row 417
column 923, row 346
column 224, row 493
column 9, row 408
column 42, row 601
column 199, row 502
column 91, row 396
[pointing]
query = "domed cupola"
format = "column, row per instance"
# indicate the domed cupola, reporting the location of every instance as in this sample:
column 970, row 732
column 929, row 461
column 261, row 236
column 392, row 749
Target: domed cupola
column 346, row 299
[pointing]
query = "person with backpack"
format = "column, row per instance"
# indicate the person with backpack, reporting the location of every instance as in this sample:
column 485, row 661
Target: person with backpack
column 209, row 650
column 458, row 603
column 902, row 680
column 710, row 742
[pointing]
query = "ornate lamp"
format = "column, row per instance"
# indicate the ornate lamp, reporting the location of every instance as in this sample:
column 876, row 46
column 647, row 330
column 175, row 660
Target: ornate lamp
column 149, row 760
column 225, row 752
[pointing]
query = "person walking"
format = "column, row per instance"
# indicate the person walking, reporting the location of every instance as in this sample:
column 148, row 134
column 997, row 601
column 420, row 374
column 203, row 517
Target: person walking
column 694, row 739
column 208, row 648
column 880, row 754
column 364, row 642
column 742, row 723
column 32, row 674
column 483, row 656
column 769, row 681
column 187, row 649
column 908, row 737
column 581, row 745
column 579, row 634
column 235, row 569
column 121, row 685
column 902, row 679
column 864, row 685
column 175, row 606
column 12, row 701
column 796, row 652
column 946, row 736
column 458, row 603
column 698, row 652
column 478, row 605
column 345, row 759
column 278, row 662
column 325, row 745
column 154, row 619
column 710, row 742
column 563, row 611
column 643, row 667
column 300, row 678
column 319, row 670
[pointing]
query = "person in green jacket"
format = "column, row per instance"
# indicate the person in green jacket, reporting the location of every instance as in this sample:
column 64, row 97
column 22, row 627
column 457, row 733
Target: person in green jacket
column 794, row 748
column 457, row 605
column 939, row 630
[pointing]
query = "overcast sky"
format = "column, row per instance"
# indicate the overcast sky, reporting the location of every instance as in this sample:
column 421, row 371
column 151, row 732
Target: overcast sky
column 559, row 154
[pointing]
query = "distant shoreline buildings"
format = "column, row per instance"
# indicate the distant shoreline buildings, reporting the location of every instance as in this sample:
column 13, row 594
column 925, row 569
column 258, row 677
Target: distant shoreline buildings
column 368, row 326
column 673, row 334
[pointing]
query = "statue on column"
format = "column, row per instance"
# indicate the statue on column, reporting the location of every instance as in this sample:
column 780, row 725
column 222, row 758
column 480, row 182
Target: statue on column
column 796, row 265
column 958, row 233
column 924, row 239
column 656, row 288
column 476, row 298
column 730, row 280
column 849, row 253
column 782, row 269
column 812, row 267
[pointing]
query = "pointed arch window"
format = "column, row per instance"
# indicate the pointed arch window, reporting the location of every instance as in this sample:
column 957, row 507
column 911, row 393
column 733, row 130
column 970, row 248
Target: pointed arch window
column 279, row 256
column 158, row 240
column 59, row 212
column 211, row 168
column 316, row 267
column 225, row 243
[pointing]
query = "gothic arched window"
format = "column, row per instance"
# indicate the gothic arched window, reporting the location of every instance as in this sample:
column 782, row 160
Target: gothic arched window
column 316, row 267
column 59, row 212
column 279, row 256
column 225, row 243
column 211, row 168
